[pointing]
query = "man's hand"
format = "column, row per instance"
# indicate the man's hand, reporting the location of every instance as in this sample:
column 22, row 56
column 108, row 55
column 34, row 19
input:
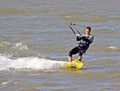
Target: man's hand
column 77, row 35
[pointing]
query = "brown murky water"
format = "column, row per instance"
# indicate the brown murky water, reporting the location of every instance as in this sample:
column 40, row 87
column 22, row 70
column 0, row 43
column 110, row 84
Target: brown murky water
column 35, row 40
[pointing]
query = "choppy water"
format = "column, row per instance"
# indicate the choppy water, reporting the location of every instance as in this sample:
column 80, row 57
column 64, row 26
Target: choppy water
column 35, row 41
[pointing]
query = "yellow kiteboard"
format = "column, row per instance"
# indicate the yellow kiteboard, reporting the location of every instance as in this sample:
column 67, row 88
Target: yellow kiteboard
column 74, row 64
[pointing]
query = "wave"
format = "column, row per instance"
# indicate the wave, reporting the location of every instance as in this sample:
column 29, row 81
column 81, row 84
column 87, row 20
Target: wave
column 113, row 47
column 18, row 45
column 17, row 56
column 33, row 63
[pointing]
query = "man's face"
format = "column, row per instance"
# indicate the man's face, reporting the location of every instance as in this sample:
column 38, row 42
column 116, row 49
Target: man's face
column 87, row 31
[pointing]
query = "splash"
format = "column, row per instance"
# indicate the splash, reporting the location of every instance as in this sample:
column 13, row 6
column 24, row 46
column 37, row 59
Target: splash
column 34, row 63
column 20, row 46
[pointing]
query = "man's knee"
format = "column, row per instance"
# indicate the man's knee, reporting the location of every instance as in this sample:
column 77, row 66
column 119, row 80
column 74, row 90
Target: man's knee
column 70, row 54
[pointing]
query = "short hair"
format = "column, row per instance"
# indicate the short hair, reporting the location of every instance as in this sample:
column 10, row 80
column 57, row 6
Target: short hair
column 88, row 28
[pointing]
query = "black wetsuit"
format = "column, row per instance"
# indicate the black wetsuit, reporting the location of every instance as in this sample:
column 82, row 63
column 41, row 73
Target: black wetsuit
column 84, row 44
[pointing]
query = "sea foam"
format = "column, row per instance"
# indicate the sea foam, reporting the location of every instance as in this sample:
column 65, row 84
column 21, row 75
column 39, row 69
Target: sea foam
column 34, row 63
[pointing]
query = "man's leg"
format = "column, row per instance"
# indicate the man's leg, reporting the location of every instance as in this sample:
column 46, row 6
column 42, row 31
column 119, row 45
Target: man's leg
column 72, row 52
column 69, row 58
column 81, row 52
column 80, row 58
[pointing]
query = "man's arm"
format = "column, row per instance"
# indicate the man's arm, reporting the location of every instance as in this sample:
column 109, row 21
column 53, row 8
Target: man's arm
column 78, row 37
column 90, row 40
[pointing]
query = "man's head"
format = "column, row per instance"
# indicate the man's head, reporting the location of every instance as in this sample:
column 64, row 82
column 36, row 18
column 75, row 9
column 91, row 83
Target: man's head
column 87, row 30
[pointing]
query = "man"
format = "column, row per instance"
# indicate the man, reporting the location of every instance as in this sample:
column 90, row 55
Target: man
column 84, row 44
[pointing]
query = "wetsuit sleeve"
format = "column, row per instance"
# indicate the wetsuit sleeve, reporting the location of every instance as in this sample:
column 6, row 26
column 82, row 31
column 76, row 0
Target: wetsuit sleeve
column 78, row 38
column 89, row 40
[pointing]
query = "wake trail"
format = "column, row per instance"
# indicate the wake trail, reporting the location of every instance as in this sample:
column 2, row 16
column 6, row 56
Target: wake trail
column 34, row 63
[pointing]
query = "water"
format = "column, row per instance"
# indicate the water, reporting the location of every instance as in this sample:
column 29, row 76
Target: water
column 35, row 41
